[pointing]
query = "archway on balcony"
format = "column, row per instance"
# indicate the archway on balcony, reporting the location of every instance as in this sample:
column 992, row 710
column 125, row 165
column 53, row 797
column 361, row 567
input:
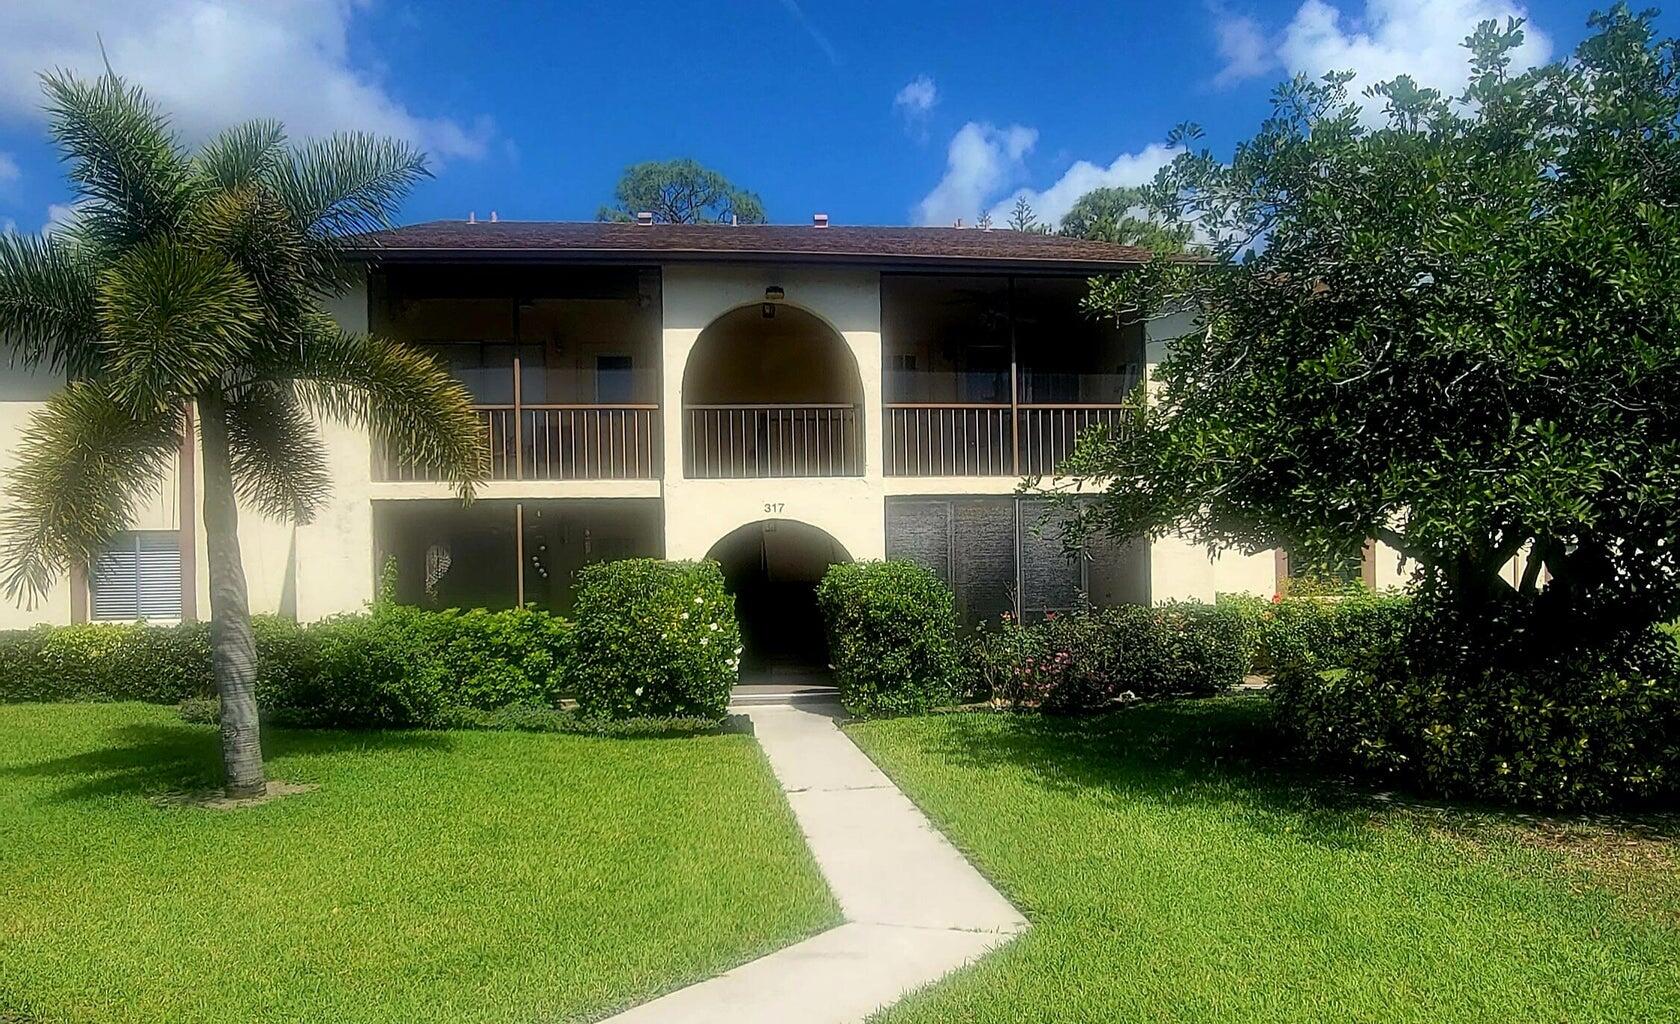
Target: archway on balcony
column 773, row 567
column 771, row 390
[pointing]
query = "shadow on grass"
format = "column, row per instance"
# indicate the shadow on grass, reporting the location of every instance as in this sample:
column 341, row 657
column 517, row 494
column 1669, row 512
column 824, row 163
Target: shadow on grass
column 1220, row 753
column 1226, row 752
column 145, row 759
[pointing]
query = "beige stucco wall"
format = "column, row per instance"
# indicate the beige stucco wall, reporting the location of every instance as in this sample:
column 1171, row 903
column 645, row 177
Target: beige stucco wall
column 335, row 570
column 700, row 512
column 22, row 393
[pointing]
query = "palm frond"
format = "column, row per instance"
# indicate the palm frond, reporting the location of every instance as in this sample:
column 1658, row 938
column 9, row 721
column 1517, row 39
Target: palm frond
column 47, row 295
column 279, row 464
column 255, row 231
column 348, row 183
column 129, row 173
column 83, row 465
column 173, row 320
column 243, row 155
column 402, row 396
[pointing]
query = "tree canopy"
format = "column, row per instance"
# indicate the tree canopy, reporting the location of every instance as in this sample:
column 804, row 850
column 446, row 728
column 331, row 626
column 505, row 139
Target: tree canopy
column 1457, row 331
column 681, row 192
column 1120, row 214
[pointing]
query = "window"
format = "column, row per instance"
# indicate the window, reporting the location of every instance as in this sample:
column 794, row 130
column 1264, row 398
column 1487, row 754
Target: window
column 613, row 380
column 137, row 577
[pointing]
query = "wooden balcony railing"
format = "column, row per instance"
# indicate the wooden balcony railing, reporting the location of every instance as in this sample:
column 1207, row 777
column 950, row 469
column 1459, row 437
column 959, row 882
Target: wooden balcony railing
column 558, row 442
column 750, row 441
column 989, row 440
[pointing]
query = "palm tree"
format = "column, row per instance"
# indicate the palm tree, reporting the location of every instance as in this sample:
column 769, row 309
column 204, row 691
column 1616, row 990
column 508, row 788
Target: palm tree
column 195, row 280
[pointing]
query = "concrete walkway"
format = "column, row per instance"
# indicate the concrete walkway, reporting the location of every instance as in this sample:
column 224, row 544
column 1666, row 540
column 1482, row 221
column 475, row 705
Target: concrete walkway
column 914, row 909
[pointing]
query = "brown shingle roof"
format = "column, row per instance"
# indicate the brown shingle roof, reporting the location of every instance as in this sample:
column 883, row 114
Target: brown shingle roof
column 886, row 246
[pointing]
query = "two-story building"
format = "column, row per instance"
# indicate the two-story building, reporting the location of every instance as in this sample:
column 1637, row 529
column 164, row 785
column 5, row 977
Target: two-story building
column 778, row 398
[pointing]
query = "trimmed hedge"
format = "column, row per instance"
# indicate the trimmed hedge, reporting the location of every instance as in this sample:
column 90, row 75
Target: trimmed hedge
column 892, row 637
column 395, row 666
column 1315, row 632
column 1543, row 720
column 403, row 666
column 654, row 639
column 1091, row 660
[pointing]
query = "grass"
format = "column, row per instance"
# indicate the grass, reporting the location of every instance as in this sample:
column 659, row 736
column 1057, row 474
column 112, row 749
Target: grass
column 460, row 876
column 1171, row 875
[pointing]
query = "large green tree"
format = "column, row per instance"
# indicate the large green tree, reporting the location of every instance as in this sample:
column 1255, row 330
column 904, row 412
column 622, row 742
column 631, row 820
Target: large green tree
column 195, row 280
column 1121, row 214
column 681, row 192
column 1457, row 331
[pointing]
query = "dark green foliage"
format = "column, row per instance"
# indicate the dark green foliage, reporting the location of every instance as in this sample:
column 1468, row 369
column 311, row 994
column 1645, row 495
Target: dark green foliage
column 397, row 666
column 405, row 666
column 1526, row 710
column 892, row 637
column 654, row 639
column 1315, row 632
column 1095, row 659
column 1457, row 331
column 160, row 664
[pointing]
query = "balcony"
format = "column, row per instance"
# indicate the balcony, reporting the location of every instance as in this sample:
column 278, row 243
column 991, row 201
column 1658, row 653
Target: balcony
column 924, row 439
column 760, row 441
column 557, row 442
column 989, row 376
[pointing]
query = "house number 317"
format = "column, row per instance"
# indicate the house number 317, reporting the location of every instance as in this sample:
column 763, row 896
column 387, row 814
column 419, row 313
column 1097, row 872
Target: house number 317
column 774, row 506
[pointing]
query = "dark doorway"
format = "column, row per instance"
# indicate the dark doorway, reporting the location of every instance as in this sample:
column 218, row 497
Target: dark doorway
column 773, row 567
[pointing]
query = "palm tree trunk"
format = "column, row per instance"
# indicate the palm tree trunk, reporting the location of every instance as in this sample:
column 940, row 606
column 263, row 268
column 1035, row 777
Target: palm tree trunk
column 233, row 648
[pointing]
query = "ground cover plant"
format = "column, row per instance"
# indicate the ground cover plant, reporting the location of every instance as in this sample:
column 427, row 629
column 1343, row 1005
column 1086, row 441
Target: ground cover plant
column 462, row 876
column 1173, row 872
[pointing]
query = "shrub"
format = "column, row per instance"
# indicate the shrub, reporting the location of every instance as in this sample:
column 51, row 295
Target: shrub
column 1090, row 660
column 394, row 667
column 1549, row 721
column 162, row 664
column 892, row 637
column 654, row 639
column 403, row 666
column 1314, row 632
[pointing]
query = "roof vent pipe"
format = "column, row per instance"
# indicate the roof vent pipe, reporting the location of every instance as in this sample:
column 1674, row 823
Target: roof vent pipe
column 492, row 216
column 472, row 217
column 819, row 220
column 645, row 217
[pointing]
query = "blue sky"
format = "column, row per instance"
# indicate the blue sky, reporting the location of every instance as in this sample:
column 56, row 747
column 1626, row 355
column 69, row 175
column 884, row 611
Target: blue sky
column 884, row 113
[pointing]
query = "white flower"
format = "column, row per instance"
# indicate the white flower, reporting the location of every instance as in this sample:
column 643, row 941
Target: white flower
column 737, row 652
column 638, row 691
column 705, row 640
column 714, row 627
column 698, row 600
column 685, row 615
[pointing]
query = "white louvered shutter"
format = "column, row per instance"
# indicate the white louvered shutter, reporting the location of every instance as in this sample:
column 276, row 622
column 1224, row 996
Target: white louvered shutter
column 160, row 575
column 137, row 577
column 113, row 581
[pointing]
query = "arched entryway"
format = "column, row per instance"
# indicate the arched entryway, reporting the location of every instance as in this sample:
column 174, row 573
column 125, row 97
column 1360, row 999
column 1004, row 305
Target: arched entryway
column 773, row 567
column 771, row 391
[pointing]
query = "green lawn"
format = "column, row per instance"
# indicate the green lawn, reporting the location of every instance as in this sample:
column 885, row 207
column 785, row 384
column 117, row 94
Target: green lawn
column 434, row 876
column 1171, row 877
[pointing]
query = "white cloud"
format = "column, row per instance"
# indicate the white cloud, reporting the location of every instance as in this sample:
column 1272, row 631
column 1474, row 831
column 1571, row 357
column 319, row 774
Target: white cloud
column 212, row 63
column 1421, row 38
column 917, row 98
column 1243, row 47
column 1051, row 203
column 59, row 217
column 9, row 171
column 982, row 161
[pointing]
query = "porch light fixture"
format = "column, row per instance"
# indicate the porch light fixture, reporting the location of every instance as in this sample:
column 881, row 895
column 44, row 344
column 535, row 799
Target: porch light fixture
column 772, row 295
